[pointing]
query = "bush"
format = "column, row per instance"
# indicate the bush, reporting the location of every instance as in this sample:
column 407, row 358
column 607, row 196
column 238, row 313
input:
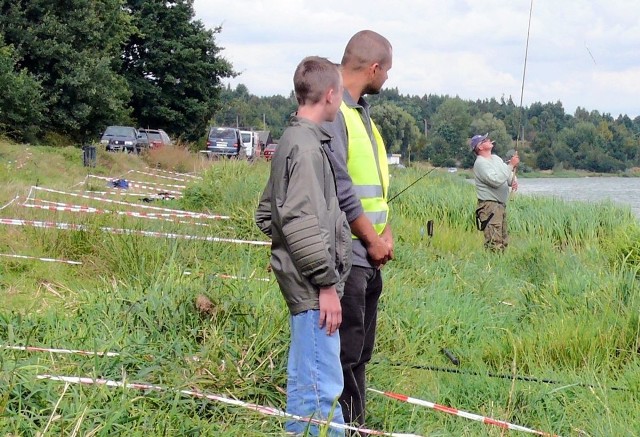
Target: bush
column 175, row 158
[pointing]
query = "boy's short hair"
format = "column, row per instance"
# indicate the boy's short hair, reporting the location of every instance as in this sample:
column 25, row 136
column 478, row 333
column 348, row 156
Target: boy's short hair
column 313, row 77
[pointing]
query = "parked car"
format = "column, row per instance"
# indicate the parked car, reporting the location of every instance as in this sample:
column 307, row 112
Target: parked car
column 122, row 139
column 269, row 151
column 225, row 141
column 155, row 138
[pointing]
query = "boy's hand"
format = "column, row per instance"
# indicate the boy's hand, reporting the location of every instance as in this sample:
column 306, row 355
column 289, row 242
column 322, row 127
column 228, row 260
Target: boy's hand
column 330, row 309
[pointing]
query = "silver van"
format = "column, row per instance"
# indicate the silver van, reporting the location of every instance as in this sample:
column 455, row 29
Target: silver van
column 249, row 140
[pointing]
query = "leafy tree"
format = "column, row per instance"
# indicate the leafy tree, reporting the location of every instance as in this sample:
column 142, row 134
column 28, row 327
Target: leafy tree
column 173, row 67
column 582, row 133
column 563, row 154
column 397, row 127
column 21, row 106
column 542, row 140
column 596, row 161
column 626, row 143
column 545, row 159
column 72, row 47
column 437, row 152
column 451, row 123
column 259, row 113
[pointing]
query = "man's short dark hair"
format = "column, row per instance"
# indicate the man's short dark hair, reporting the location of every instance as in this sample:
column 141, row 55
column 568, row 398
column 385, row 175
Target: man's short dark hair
column 365, row 48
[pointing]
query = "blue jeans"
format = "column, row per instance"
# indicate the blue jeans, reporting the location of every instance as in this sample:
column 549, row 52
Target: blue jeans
column 314, row 375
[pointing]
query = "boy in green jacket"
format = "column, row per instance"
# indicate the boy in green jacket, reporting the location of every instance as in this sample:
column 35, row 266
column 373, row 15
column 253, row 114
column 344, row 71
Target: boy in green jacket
column 311, row 246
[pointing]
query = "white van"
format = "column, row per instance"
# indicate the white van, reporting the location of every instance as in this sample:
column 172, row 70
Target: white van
column 249, row 140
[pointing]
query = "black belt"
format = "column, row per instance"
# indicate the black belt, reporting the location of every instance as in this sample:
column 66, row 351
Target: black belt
column 492, row 201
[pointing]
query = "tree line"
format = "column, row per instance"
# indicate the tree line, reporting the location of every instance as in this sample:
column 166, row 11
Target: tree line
column 69, row 68
column 437, row 128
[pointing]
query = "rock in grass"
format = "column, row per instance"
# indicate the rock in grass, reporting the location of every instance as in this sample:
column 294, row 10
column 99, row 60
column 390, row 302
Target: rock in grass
column 204, row 305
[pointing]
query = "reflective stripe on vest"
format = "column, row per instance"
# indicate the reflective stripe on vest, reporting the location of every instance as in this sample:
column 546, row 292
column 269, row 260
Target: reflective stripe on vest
column 368, row 190
column 370, row 176
column 377, row 216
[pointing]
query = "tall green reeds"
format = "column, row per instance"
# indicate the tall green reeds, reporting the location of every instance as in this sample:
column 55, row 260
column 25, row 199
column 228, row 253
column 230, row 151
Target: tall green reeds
column 559, row 307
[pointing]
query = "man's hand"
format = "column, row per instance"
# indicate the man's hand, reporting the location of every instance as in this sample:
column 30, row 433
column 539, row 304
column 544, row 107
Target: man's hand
column 377, row 248
column 387, row 236
column 330, row 309
column 514, row 184
column 379, row 252
column 515, row 160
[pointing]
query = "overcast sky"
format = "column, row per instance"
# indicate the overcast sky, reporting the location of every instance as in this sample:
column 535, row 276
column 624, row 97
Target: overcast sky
column 581, row 52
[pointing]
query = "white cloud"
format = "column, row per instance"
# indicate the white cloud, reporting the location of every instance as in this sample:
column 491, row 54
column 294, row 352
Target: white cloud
column 583, row 53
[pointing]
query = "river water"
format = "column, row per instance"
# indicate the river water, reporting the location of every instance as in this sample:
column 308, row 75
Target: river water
column 625, row 191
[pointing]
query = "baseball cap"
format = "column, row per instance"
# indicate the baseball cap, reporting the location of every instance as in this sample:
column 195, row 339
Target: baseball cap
column 477, row 139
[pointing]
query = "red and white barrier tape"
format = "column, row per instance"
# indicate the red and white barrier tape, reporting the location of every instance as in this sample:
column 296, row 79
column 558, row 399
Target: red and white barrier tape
column 159, row 176
column 136, row 182
column 159, row 190
column 71, row 226
column 188, row 175
column 135, row 205
column 68, row 208
column 397, row 396
column 90, row 210
column 10, row 202
column 460, row 413
column 146, row 214
column 119, row 193
column 59, row 351
column 41, row 259
column 270, row 411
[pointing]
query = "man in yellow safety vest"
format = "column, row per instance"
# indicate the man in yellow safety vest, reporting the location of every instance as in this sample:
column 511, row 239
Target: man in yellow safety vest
column 360, row 163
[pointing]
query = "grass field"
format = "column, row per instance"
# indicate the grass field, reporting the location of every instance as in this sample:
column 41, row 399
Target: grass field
column 547, row 335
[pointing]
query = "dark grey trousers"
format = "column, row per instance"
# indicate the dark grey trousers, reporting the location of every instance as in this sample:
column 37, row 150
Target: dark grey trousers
column 357, row 337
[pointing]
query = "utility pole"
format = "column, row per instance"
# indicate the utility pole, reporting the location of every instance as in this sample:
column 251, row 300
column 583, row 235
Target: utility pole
column 264, row 122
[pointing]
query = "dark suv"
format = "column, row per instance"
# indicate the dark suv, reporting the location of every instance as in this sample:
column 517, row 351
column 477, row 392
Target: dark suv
column 122, row 139
column 225, row 141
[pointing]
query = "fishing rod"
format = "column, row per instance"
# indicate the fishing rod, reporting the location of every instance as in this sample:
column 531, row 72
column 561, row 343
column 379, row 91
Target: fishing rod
column 524, row 73
column 494, row 375
column 411, row 184
column 520, row 129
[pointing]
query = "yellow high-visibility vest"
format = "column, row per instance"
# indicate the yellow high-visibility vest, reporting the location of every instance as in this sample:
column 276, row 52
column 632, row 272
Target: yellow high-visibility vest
column 370, row 176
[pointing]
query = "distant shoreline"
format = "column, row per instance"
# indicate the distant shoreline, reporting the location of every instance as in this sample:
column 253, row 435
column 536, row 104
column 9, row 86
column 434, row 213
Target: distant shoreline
column 633, row 173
